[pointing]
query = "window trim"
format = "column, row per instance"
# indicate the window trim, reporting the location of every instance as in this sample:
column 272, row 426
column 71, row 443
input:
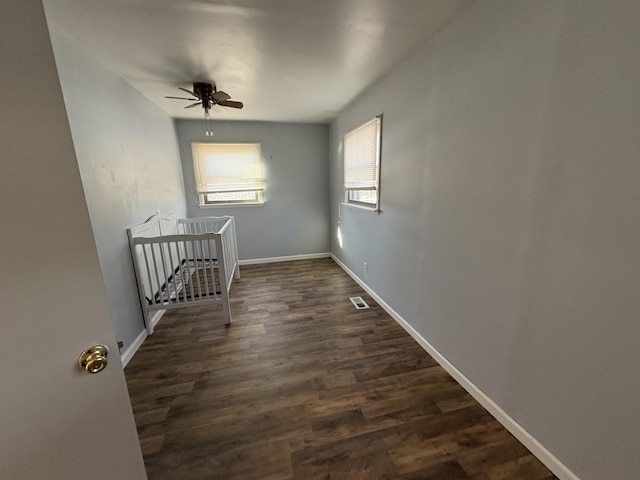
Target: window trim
column 370, row 206
column 204, row 202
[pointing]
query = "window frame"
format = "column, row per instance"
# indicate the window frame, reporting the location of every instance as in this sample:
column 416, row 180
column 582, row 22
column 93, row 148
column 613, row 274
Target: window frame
column 203, row 194
column 351, row 191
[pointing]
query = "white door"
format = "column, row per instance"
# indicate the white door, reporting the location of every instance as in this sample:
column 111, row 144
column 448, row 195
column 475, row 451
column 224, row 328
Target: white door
column 56, row 421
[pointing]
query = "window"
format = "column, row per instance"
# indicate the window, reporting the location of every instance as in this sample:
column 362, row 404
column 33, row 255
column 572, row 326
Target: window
column 362, row 165
column 228, row 173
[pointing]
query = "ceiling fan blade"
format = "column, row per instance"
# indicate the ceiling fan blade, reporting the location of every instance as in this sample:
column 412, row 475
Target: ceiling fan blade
column 193, row 105
column 189, row 92
column 220, row 96
column 231, row 103
column 183, row 98
column 217, row 108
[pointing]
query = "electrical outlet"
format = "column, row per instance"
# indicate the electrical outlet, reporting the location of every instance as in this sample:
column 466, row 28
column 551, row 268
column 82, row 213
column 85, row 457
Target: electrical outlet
column 366, row 267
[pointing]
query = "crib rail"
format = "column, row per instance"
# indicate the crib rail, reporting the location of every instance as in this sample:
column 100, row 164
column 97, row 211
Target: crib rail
column 226, row 227
column 202, row 224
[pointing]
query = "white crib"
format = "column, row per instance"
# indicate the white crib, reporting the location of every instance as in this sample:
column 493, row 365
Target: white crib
column 183, row 262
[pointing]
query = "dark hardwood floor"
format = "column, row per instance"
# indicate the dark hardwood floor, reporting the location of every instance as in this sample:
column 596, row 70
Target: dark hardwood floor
column 304, row 386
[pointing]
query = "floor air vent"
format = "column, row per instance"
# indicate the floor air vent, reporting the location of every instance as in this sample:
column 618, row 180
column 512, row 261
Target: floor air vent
column 359, row 303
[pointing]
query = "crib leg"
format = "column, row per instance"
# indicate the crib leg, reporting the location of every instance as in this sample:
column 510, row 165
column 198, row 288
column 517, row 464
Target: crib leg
column 147, row 321
column 226, row 308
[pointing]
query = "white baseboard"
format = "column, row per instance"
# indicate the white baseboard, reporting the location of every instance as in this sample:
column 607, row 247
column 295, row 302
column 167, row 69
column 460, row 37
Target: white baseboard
column 131, row 350
column 155, row 317
column 289, row 258
column 517, row 430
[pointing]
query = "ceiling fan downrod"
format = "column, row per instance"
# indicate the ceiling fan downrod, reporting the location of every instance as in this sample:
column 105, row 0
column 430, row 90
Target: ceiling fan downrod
column 208, row 130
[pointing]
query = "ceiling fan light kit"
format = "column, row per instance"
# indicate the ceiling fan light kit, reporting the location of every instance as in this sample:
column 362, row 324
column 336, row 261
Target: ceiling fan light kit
column 207, row 95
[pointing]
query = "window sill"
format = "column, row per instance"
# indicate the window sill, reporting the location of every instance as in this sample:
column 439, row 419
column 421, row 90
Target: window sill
column 361, row 207
column 225, row 205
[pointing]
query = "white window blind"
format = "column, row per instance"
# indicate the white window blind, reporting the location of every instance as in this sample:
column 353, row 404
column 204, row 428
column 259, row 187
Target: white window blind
column 228, row 172
column 362, row 163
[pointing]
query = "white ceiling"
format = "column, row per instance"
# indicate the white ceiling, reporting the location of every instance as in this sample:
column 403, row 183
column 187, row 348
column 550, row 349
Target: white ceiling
column 287, row 60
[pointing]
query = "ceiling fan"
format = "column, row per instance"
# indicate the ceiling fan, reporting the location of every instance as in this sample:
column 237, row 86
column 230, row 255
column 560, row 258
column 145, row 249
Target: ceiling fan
column 208, row 96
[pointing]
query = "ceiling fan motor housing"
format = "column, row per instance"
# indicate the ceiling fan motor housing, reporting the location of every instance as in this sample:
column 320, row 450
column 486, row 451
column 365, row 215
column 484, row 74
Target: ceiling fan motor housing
column 203, row 90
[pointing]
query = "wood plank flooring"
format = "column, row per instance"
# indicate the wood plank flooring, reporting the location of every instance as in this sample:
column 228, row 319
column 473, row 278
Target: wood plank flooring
column 304, row 386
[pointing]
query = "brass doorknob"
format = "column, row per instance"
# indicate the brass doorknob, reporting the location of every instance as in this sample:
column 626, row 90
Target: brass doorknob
column 94, row 359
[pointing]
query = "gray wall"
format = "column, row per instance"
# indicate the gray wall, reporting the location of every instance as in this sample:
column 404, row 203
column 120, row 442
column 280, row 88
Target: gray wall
column 294, row 219
column 129, row 164
column 509, row 236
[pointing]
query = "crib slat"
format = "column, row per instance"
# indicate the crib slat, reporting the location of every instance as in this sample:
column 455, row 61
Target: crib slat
column 188, row 256
column 165, row 276
column 204, row 268
column 187, row 282
column 176, row 269
column 195, row 255
column 149, row 282
column 155, row 271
